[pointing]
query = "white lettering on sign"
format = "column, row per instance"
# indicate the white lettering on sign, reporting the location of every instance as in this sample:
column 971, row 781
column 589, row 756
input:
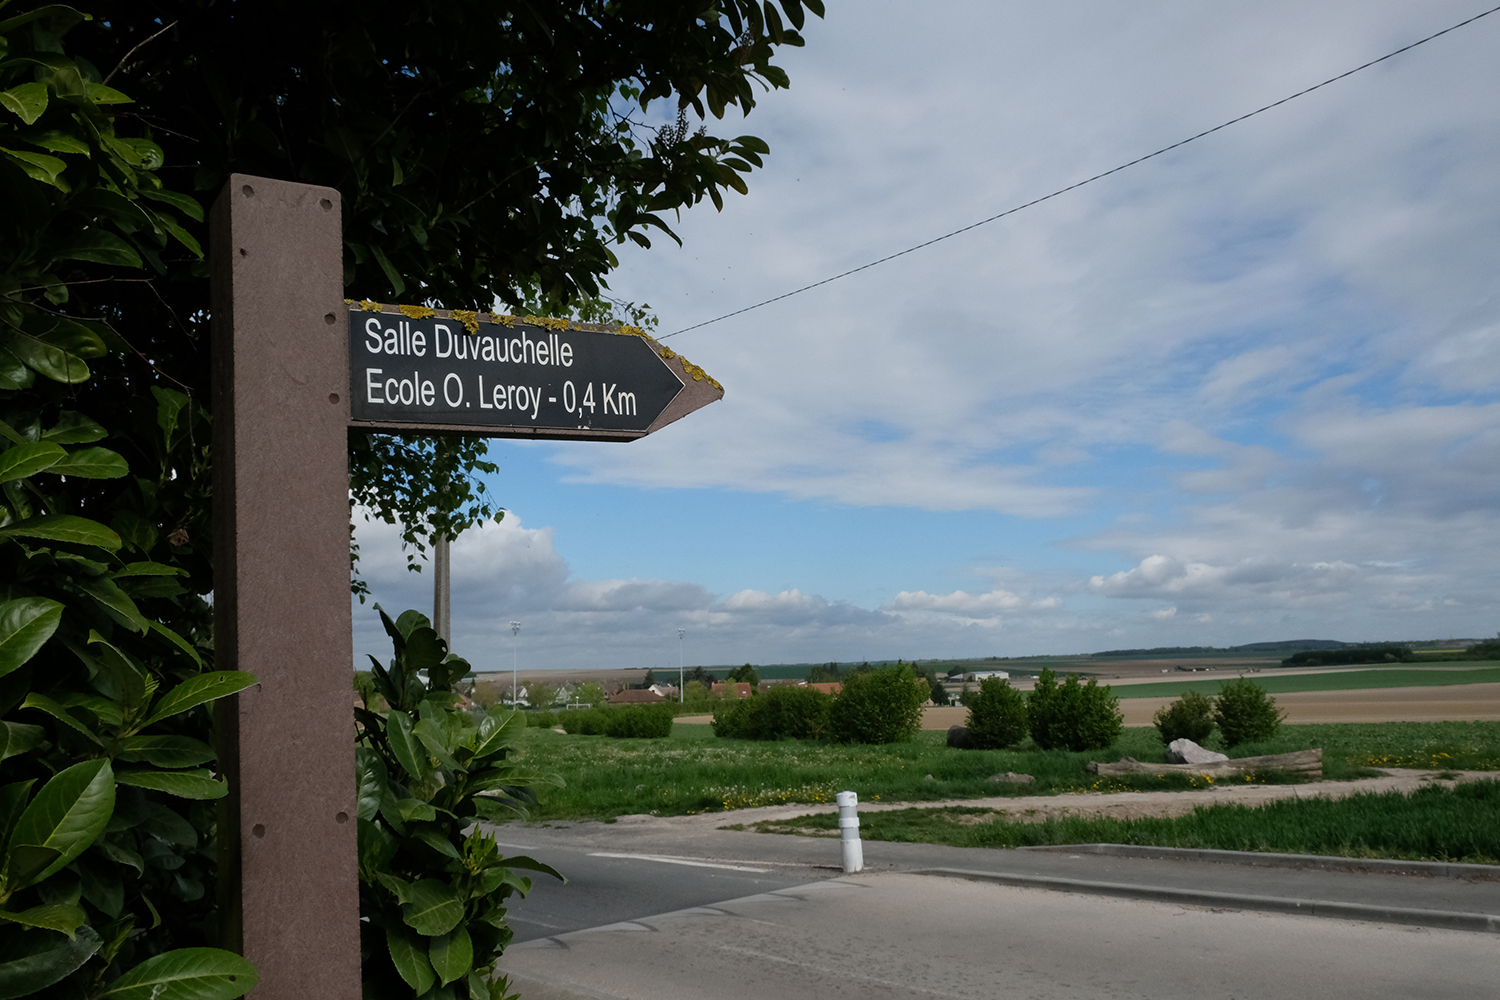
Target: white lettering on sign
column 617, row 400
column 417, row 371
column 403, row 391
column 398, row 339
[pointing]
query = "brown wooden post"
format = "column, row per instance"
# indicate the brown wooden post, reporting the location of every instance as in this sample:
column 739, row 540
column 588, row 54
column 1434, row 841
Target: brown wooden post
column 281, row 586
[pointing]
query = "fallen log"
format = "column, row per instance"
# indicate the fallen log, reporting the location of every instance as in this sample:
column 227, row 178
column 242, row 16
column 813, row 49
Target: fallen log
column 1309, row 762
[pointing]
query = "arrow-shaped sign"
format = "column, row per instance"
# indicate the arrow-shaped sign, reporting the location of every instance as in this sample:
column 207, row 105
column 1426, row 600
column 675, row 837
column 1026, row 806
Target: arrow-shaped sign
column 413, row 368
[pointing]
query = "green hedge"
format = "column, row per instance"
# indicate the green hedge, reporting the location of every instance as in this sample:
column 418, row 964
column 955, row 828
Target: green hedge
column 783, row 712
column 641, row 722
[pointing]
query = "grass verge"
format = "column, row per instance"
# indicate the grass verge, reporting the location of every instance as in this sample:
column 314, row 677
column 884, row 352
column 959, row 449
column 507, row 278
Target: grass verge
column 1435, row 823
column 695, row 772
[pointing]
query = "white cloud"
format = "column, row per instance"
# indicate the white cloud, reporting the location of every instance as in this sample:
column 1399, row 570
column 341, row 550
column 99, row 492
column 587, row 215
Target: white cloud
column 1256, row 379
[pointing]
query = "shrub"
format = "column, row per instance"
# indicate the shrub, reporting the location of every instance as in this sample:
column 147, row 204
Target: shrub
column 880, row 706
column 542, row 720
column 1245, row 713
column 997, row 716
column 433, row 885
column 1072, row 716
column 1189, row 717
column 783, row 712
column 647, row 722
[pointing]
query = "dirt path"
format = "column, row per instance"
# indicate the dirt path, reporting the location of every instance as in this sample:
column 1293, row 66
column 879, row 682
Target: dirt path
column 1117, row 805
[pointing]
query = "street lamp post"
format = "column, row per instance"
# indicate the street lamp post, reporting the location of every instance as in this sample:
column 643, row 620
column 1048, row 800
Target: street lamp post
column 681, row 687
column 515, row 632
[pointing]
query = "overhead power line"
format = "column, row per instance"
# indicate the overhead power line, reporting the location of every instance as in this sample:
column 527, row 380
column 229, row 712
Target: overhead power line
column 1088, row 180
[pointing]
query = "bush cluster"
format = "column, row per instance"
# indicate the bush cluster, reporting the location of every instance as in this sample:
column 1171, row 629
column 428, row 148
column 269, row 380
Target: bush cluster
column 997, row 715
column 1072, row 716
column 1245, row 713
column 882, row 706
column 640, row 722
column 784, row 712
column 1191, row 717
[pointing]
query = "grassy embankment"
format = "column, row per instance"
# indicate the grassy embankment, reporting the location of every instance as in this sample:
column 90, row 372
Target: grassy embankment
column 1434, row 823
column 694, row 772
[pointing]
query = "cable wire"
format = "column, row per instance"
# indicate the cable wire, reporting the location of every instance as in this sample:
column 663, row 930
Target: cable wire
column 1088, row 180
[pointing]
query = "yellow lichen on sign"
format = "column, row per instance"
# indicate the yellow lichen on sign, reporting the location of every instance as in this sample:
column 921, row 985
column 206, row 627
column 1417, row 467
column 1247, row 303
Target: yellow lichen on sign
column 370, row 306
column 666, row 352
column 697, row 373
column 468, row 317
column 548, row 322
column 416, row 312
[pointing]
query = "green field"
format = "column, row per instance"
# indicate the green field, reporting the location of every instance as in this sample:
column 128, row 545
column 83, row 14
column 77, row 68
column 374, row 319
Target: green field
column 695, row 772
column 1433, row 824
column 1351, row 680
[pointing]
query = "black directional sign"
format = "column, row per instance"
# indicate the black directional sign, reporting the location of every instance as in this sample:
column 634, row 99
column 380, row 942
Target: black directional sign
column 462, row 371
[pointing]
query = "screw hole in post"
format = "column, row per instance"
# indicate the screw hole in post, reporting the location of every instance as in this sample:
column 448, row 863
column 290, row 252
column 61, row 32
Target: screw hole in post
column 333, row 397
column 258, row 829
column 327, row 205
column 341, row 818
column 330, row 318
column 248, row 191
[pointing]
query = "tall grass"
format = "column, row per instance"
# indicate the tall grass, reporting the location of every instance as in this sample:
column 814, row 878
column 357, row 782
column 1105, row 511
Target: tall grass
column 1433, row 823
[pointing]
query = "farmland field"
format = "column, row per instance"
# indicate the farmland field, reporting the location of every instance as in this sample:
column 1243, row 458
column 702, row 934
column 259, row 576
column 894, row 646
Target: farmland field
column 1343, row 680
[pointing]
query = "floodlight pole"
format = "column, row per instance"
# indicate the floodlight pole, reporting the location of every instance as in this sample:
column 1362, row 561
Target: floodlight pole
column 515, row 632
column 681, row 687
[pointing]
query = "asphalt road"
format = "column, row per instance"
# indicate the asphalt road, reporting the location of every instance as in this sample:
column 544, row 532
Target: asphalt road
column 665, row 908
column 893, row 935
column 605, row 886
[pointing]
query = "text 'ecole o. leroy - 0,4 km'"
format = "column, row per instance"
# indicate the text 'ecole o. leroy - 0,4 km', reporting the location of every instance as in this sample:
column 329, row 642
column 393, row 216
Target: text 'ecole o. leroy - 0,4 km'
column 462, row 369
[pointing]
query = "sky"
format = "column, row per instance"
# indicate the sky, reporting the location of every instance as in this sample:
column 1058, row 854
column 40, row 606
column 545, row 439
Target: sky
column 1245, row 391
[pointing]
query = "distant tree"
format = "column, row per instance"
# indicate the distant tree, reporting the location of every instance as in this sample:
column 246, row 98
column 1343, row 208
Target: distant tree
column 648, row 680
column 704, row 677
column 821, row 674
column 1489, row 649
column 695, row 691
column 745, row 675
column 591, row 693
column 936, row 691
column 540, row 694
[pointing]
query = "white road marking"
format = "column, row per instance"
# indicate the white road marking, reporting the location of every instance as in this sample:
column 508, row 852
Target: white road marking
column 677, row 861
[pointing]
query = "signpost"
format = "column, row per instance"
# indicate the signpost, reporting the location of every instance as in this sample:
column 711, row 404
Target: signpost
column 295, row 368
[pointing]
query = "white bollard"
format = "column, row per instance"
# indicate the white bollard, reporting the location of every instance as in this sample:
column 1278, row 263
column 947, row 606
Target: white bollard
column 854, row 851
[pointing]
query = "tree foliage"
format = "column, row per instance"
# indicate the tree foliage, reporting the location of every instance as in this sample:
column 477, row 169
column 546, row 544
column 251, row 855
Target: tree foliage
column 485, row 150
